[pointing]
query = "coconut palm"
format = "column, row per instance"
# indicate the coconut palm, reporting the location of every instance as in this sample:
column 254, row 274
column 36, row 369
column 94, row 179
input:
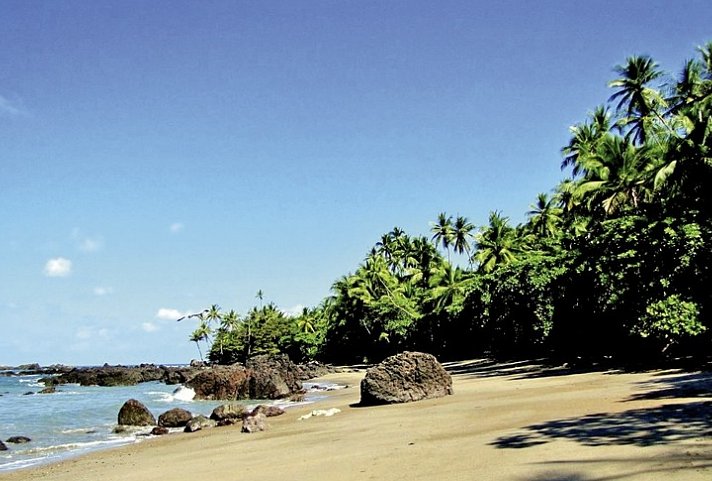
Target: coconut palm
column 637, row 101
column 497, row 244
column 462, row 235
column 201, row 333
column 545, row 216
column 443, row 232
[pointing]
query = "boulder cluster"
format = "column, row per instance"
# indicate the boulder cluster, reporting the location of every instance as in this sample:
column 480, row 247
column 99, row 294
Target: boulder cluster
column 135, row 414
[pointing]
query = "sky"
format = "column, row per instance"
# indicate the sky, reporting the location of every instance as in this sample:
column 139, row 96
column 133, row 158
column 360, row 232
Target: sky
column 159, row 157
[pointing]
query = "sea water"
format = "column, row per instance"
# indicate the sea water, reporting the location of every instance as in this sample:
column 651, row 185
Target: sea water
column 79, row 419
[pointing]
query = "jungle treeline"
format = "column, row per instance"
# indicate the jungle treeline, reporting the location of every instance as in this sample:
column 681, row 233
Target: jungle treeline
column 615, row 262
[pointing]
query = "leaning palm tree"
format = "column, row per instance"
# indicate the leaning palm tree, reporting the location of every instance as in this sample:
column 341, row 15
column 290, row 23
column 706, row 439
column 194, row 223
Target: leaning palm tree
column 201, row 333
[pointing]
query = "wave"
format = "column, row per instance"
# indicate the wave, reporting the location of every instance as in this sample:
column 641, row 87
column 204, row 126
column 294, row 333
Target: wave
column 182, row 393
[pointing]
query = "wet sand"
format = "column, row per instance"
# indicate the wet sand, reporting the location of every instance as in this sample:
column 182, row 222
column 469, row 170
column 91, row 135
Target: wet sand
column 518, row 422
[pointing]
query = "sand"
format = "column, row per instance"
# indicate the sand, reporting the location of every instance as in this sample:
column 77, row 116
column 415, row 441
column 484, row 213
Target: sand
column 514, row 421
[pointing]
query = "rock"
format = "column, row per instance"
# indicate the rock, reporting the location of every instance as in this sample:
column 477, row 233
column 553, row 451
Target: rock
column 197, row 363
column 232, row 411
column 29, row 393
column 221, row 382
column 134, row 413
column 48, row 390
column 405, row 377
column 314, row 369
column 273, row 377
column 174, row 418
column 298, row 397
column 179, row 375
column 268, row 411
column 2, row 446
column 253, row 424
column 18, row 440
column 159, row 431
column 199, row 422
column 29, row 367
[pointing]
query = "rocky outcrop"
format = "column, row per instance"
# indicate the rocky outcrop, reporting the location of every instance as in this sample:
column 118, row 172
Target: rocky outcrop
column 123, row 375
column 174, row 418
column 134, row 413
column 314, row 369
column 199, row 422
column 405, row 377
column 221, row 382
column 273, row 377
column 18, row 440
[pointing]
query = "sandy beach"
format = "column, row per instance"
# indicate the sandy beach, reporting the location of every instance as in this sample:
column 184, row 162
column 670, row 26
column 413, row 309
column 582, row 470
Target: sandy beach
column 518, row 422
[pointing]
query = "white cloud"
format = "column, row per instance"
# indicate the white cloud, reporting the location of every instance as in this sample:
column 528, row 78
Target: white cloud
column 177, row 227
column 103, row 291
column 58, row 267
column 149, row 327
column 11, row 108
column 167, row 314
column 87, row 243
column 293, row 311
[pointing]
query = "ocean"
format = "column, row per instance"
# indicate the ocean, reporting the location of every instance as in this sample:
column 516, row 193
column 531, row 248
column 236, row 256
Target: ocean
column 79, row 419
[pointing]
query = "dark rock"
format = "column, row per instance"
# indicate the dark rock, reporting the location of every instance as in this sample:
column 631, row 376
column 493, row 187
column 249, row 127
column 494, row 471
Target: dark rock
column 273, row 377
column 159, row 431
column 231, row 411
column 179, row 375
column 268, row 411
column 298, row 397
column 134, row 413
column 199, row 422
column 50, row 381
column 2, row 446
column 48, row 390
column 405, row 377
column 314, row 369
column 29, row 393
column 174, row 418
column 18, row 440
column 29, row 367
column 221, row 382
column 197, row 363
column 253, row 424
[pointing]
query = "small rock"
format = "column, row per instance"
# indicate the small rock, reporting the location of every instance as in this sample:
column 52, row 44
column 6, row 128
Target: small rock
column 18, row 440
column 2, row 446
column 199, row 422
column 174, row 418
column 232, row 411
column 159, row 431
column 28, row 393
column 48, row 390
column 253, row 424
column 134, row 413
column 268, row 411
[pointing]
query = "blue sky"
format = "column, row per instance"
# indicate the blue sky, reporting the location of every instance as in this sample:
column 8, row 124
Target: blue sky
column 158, row 157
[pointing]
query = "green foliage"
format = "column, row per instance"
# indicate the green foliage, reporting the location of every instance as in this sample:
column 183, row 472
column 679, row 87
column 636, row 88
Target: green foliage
column 669, row 320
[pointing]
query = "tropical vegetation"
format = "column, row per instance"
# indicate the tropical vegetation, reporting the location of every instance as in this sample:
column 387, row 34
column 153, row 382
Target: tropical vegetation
column 614, row 262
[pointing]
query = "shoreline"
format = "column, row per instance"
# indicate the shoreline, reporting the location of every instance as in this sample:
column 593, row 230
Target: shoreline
column 504, row 422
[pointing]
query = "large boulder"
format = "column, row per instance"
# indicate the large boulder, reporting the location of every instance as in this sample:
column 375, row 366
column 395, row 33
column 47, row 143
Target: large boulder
column 273, row 377
column 253, row 424
column 405, row 377
column 134, row 413
column 221, row 382
column 174, row 418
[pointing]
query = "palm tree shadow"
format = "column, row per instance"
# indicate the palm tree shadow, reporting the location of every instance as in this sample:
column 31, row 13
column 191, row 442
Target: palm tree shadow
column 638, row 427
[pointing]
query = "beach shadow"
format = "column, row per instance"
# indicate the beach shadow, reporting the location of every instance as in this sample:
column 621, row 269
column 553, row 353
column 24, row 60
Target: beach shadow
column 675, row 386
column 638, row 427
column 521, row 369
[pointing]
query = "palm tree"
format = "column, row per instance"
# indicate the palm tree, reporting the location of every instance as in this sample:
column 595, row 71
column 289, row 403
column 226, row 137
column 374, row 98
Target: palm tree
column 585, row 138
column 496, row 244
column 213, row 314
column 636, row 99
column 545, row 216
column 201, row 333
column 462, row 235
column 443, row 232
column 448, row 284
